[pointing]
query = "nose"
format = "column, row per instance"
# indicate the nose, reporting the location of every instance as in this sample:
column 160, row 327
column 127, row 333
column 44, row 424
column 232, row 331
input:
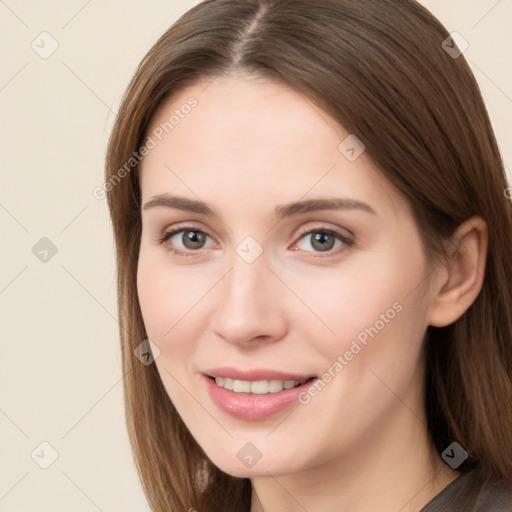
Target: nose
column 251, row 304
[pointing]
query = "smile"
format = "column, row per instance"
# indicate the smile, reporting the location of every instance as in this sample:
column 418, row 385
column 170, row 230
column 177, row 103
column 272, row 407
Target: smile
column 258, row 387
column 254, row 400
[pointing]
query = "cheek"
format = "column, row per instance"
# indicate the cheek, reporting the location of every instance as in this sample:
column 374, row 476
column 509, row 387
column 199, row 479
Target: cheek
column 173, row 301
column 165, row 296
column 164, row 301
column 152, row 298
column 373, row 296
column 379, row 317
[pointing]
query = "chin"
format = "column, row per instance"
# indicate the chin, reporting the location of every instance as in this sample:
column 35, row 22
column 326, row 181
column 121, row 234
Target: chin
column 237, row 467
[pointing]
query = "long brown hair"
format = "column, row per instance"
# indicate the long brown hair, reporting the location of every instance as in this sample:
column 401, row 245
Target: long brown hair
column 380, row 69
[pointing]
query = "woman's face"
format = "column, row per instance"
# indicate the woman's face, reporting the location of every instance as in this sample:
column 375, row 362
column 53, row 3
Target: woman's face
column 262, row 291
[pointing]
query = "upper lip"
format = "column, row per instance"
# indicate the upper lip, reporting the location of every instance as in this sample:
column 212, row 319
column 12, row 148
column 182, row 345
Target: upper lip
column 255, row 374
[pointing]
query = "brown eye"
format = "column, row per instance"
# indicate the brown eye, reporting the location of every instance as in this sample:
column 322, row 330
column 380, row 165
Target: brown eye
column 193, row 239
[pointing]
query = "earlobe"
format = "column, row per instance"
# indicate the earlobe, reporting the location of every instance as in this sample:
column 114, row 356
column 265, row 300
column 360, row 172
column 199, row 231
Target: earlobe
column 464, row 274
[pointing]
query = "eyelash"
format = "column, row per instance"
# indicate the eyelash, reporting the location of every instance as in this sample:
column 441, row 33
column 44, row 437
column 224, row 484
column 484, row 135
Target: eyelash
column 348, row 242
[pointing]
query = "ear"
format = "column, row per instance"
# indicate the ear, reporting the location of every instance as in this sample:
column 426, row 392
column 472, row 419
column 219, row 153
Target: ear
column 461, row 278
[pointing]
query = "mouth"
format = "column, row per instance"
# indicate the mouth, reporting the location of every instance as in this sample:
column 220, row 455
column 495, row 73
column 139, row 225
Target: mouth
column 258, row 387
column 255, row 400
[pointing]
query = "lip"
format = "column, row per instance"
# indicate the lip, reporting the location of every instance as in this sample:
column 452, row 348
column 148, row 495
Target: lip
column 255, row 374
column 254, row 407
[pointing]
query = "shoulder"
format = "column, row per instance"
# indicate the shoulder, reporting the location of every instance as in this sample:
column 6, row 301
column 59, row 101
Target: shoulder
column 494, row 497
column 472, row 491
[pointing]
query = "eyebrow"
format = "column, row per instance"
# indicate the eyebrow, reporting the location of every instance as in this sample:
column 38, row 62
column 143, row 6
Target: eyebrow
column 280, row 211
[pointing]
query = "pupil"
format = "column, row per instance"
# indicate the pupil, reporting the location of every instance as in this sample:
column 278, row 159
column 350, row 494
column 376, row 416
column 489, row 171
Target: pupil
column 193, row 239
column 321, row 238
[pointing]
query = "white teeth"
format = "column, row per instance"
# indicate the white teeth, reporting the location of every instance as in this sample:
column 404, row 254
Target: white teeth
column 241, row 386
column 258, row 387
column 275, row 386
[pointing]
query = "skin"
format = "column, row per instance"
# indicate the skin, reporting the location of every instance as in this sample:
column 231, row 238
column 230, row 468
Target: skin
column 361, row 443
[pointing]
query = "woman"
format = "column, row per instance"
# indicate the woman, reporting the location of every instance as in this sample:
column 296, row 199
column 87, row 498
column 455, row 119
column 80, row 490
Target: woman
column 313, row 245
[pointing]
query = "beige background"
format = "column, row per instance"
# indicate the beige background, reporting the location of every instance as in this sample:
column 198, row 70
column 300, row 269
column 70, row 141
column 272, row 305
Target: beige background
column 60, row 373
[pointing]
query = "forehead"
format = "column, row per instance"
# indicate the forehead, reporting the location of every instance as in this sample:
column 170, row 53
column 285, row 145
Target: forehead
column 257, row 114
column 247, row 136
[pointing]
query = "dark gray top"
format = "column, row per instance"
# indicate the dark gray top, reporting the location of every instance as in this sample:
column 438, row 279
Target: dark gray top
column 471, row 492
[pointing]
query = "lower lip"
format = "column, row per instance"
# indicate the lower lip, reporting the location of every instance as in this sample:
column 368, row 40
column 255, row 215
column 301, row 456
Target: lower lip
column 251, row 406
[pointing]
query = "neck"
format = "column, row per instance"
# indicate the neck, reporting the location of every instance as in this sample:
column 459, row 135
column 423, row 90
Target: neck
column 390, row 469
